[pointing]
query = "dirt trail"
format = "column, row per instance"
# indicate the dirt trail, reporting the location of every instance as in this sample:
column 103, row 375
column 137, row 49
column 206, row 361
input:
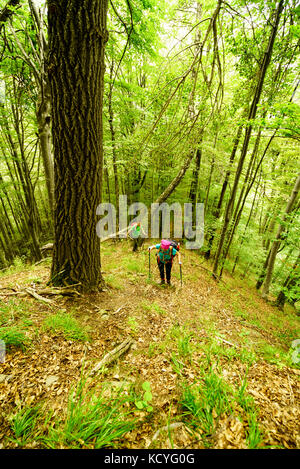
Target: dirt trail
column 148, row 312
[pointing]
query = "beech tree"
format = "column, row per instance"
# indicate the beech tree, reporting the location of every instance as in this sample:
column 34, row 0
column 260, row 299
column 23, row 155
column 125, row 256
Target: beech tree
column 77, row 38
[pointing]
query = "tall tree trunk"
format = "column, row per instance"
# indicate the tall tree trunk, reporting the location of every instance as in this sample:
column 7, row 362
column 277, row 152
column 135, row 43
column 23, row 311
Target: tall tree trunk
column 106, row 177
column 191, row 110
column 243, row 195
column 248, row 131
column 197, row 59
column 7, row 243
column 245, row 229
column 195, row 178
column 12, row 209
column 113, row 142
column 77, row 37
column 277, row 241
column 6, row 246
column 217, row 211
column 212, row 167
column 43, row 115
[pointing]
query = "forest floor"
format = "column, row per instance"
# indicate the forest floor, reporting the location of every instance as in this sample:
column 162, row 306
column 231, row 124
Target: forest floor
column 209, row 367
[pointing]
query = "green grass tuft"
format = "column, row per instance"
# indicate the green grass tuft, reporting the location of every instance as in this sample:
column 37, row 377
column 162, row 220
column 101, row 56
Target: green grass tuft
column 13, row 336
column 92, row 420
column 23, row 424
column 67, row 325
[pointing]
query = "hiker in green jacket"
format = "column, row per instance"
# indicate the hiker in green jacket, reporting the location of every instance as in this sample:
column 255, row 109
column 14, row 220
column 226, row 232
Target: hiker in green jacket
column 166, row 252
column 135, row 231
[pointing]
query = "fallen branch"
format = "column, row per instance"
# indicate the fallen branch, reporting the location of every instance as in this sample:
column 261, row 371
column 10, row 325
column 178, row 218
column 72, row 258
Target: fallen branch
column 118, row 310
column 113, row 355
column 226, row 341
column 166, row 428
column 216, row 277
column 33, row 293
column 22, row 293
column 64, row 291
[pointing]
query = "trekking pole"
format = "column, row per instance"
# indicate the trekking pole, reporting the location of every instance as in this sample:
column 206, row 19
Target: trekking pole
column 180, row 275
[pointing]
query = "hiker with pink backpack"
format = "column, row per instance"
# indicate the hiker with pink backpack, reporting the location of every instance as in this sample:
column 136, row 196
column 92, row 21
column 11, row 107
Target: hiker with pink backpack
column 166, row 251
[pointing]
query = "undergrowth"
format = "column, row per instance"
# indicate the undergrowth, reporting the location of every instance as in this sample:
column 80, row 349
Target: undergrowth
column 66, row 324
column 210, row 399
column 200, row 356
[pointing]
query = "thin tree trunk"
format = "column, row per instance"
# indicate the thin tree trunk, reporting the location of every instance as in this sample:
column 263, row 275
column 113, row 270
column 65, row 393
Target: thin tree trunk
column 21, row 170
column 290, row 282
column 245, row 229
column 113, row 142
column 43, row 105
column 12, row 208
column 193, row 195
column 212, row 166
column 106, row 177
column 277, row 241
column 7, row 244
column 8, row 253
column 43, row 114
column 217, row 211
column 248, row 131
column 243, row 196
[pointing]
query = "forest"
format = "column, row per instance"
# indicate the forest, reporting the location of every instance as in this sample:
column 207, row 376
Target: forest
column 159, row 104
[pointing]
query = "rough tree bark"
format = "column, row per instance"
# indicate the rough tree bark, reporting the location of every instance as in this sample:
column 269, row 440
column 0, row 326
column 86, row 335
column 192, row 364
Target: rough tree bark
column 77, row 37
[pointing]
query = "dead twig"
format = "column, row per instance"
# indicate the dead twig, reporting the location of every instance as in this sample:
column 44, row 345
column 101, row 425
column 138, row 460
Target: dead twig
column 4, row 295
column 166, row 428
column 226, row 341
column 118, row 310
column 113, row 355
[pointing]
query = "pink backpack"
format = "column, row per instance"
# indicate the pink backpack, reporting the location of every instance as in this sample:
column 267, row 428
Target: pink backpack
column 165, row 244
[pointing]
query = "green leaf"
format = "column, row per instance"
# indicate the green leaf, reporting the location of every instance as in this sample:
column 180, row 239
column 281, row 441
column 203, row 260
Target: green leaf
column 139, row 404
column 148, row 396
column 146, row 386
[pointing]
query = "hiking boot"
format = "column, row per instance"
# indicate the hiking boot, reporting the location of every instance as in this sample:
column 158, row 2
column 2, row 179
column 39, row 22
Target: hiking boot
column 162, row 282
